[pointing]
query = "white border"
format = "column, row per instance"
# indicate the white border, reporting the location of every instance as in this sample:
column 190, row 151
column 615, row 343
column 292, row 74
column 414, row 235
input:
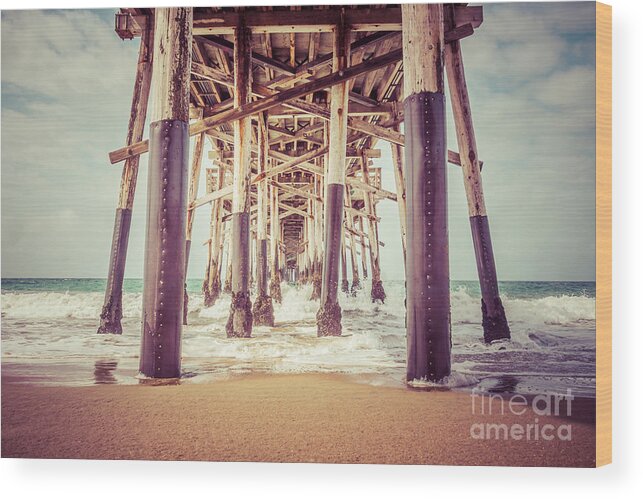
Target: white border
column 124, row 479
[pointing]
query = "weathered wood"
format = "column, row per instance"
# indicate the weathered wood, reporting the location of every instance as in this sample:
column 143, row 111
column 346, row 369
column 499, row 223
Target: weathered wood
column 262, row 312
column 228, row 47
column 350, row 224
column 193, row 190
column 422, row 41
column 212, row 281
column 172, row 102
column 300, row 21
column 345, row 285
column 260, row 105
column 494, row 320
column 317, row 238
column 240, row 319
column 312, row 108
column 357, row 233
column 397, row 155
column 316, row 21
column 377, row 289
column 112, row 312
column 306, row 70
column 428, row 325
column 298, row 192
column 329, row 315
column 164, row 273
column 362, row 241
column 275, row 231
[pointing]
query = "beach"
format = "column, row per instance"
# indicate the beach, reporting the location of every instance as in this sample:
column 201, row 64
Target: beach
column 49, row 336
column 286, row 395
column 319, row 418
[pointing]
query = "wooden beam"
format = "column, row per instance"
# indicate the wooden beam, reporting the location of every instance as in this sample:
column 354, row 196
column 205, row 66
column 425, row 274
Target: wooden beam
column 193, row 190
column 299, row 21
column 311, row 21
column 397, row 154
column 377, row 289
column 329, row 315
column 262, row 311
column 275, row 233
column 494, row 320
column 111, row 314
column 228, row 47
column 212, row 281
column 250, row 108
column 298, row 192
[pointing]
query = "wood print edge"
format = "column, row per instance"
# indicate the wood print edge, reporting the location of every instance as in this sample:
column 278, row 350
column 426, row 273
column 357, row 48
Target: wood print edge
column 603, row 234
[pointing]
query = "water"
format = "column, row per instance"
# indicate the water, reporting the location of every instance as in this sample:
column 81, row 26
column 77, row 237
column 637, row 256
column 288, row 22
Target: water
column 49, row 326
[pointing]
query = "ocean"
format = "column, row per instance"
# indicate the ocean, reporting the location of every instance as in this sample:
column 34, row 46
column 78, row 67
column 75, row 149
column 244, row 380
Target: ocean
column 49, row 337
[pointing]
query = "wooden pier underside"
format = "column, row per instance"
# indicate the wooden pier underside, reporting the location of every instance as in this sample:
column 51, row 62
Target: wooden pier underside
column 300, row 57
column 292, row 46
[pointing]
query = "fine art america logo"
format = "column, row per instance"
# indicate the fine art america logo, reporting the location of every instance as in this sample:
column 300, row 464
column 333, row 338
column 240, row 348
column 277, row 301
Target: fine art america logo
column 517, row 417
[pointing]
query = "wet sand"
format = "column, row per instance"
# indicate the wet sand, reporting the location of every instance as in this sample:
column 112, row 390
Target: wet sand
column 289, row 418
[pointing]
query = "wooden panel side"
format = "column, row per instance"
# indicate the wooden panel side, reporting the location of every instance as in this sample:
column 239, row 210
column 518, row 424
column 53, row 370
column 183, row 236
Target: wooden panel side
column 603, row 234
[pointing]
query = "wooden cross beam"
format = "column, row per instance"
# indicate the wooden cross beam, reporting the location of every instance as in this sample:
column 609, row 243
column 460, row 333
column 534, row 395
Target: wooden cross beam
column 358, row 233
column 228, row 47
column 267, row 103
column 314, row 21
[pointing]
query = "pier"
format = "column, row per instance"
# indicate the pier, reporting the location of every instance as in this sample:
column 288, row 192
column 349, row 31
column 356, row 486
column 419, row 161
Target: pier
column 295, row 104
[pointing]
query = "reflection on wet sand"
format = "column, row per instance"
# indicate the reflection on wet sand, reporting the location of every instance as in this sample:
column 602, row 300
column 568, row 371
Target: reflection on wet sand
column 104, row 372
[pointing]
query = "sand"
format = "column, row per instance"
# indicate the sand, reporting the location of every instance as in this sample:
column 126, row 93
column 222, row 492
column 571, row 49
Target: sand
column 290, row 418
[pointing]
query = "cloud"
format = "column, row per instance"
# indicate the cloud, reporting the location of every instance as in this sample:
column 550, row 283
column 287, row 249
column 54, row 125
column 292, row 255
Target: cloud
column 568, row 90
column 66, row 91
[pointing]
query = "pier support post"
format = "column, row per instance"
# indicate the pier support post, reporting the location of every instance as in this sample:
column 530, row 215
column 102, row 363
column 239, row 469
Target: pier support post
column 428, row 317
column 318, row 265
column 263, row 313
column 307, row 238
column 227, row 283
column 362, row 242
column 329, row 316
column 355, row 285
column 397, row 153
column 494, row 320
column 212, row 281
column 112, row 313
column 195, row 175
column 275, row 276
column 167, row 195
column 377, row 289
column 240, row 319
column 345, row 286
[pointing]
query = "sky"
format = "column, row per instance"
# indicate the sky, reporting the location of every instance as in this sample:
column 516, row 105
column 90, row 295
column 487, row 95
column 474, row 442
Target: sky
column 67, row 83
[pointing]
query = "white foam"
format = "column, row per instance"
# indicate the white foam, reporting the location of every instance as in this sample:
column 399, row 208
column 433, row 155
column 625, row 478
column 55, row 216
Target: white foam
column 454, row 380
column 61, row 327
